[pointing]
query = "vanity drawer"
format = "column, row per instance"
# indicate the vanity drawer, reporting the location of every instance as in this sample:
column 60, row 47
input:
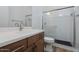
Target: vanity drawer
column 41, row 35
column 20, row 49
column 33, row 39
column 15, row 47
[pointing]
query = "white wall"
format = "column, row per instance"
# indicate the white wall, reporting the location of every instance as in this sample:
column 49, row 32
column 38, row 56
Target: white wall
column 9, row 13
column 19, row 13
column 4, row 16
column 37, row 17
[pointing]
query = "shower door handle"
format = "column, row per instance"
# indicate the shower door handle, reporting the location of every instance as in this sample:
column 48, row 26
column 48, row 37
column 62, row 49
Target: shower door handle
column 77, row 15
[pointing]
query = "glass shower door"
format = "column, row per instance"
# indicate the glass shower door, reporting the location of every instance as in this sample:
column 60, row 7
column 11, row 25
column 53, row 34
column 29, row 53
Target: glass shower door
column 59, row 24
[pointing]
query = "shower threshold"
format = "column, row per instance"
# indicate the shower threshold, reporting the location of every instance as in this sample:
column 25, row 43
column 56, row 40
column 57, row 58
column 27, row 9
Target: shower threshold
column 63, row 42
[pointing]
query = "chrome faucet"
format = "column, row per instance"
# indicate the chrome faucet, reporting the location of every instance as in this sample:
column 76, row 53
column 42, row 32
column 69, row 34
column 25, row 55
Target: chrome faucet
column 19, row 24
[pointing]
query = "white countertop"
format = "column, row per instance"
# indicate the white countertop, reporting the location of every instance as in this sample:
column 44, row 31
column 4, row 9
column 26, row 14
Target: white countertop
column 10, row 35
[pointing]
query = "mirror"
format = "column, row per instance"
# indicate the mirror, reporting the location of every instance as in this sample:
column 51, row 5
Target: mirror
column 10, row 15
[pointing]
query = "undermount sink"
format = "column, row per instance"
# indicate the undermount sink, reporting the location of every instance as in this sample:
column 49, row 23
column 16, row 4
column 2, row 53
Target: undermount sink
column 16, row 33
column 13, row 31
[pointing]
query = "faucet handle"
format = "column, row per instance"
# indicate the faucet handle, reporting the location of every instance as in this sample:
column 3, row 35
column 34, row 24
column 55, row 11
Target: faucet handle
column 22, row 23
column 17, row 24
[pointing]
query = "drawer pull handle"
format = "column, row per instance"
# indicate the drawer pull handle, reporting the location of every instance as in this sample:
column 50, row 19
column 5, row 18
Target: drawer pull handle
column 18, row 48
column 4, row 50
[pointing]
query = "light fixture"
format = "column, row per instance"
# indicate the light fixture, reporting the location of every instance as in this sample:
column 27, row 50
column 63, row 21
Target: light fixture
column 48, row 13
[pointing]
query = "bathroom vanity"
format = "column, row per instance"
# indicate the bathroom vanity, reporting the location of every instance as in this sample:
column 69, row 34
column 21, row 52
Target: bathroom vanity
column 25, row 41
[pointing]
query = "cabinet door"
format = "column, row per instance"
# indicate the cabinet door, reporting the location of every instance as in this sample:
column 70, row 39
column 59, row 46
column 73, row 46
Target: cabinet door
column 18, row 46
column 39, row 46
column 30, row 49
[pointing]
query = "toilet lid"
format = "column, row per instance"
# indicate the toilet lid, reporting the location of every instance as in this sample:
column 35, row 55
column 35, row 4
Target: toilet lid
column 49, row 39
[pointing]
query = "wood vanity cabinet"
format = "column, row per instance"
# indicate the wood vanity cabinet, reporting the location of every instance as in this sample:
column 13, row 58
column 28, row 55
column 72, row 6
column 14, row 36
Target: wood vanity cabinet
column 31, row 44
column 36, row 43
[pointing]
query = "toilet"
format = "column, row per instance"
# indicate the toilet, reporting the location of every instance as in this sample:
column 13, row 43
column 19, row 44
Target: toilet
column 49, row 40
column 48, row 44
